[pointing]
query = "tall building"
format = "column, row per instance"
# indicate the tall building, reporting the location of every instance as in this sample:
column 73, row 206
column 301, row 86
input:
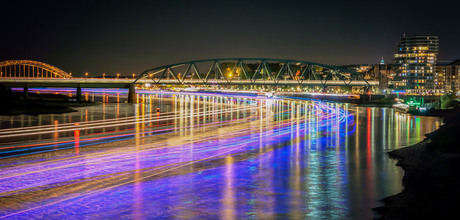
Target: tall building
column 415, row 64
column 440, row 78
column 448, row 76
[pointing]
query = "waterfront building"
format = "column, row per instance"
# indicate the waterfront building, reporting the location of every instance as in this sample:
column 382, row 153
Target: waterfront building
column 448, row 76
column 374, row 72
column 440, row 79
column 415, row 63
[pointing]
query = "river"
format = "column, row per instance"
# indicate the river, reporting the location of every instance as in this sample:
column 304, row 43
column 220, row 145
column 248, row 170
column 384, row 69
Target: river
column 203, row 156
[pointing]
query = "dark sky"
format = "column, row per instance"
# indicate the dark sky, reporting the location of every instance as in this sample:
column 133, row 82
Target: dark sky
column 131, row 36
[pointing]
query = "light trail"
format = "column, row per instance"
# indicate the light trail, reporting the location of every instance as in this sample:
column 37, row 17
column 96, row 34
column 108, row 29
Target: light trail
column 46, row 145
column 59, row 128
column 81, row 124
column 101, row 171
column 114, row 137
column 204, row 148
column 286, row 123
column 102, row 124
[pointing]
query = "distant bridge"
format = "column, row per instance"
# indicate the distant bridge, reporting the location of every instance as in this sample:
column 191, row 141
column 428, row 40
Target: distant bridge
column 30, row 69
column 71, row 82
column 252, row 71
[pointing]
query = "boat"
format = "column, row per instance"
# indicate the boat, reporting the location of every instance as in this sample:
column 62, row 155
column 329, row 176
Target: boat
column 404, row 107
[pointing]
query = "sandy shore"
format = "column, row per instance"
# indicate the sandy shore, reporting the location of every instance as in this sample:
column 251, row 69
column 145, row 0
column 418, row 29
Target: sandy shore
column 431, row 177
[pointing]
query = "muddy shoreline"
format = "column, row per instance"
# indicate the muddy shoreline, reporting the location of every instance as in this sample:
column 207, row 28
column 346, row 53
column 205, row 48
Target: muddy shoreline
column 15, row 103
column 431, row 176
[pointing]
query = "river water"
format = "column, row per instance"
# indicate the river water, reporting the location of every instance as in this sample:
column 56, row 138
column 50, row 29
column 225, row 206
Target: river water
column 203, row 156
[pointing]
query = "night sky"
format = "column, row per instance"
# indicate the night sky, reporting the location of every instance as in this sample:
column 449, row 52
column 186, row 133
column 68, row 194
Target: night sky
column 129, row 37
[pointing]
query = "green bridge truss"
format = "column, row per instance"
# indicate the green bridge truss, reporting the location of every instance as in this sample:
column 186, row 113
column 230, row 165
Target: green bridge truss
column 251, row 71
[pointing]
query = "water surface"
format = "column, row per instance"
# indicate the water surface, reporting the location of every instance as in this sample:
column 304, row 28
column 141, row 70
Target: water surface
column 215, row 157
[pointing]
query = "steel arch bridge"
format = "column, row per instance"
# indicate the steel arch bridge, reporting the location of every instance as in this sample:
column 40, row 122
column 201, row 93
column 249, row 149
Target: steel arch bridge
column 30, row 69
column 251, row 71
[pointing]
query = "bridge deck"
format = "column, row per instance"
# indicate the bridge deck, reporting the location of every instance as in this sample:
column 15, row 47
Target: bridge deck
column 124, row 83
column 72, row 82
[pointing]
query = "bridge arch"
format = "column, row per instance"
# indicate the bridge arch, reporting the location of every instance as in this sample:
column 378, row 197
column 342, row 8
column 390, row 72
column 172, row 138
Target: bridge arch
column 30, row 69
column 252, row 71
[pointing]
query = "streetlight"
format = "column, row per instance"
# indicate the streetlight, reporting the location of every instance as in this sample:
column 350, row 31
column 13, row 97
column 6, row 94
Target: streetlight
column 86, row 74
column 103, row 75
column 118, row 75
column 134, row 75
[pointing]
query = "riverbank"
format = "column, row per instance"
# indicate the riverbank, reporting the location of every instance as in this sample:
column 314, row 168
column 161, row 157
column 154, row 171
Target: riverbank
column 431, row 177
column 435, row 112
column 16, row 103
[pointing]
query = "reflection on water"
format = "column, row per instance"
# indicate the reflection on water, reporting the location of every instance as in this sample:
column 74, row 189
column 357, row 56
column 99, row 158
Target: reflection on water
column 204, row 156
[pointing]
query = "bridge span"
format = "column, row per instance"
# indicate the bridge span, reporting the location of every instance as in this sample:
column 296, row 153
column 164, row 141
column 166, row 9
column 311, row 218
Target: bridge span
column 70, row 82
column 221, row 72
column 125, row 83
column 253, row 71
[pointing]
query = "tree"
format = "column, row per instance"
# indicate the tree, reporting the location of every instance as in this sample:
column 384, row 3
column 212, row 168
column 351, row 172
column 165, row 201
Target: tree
column 447, row 100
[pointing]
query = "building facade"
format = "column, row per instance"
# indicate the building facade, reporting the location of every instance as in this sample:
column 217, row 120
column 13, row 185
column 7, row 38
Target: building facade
column 382, row 73
column 415, row 63
column 448, row 76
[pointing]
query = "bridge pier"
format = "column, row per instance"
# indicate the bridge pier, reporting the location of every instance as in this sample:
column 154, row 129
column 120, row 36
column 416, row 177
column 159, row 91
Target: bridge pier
column 25, row 94
column 78, row 93
column 132, row 97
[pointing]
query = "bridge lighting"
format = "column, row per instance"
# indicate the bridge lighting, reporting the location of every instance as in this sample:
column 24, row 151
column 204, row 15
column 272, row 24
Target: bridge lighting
column 318, row 72
column 147, row 85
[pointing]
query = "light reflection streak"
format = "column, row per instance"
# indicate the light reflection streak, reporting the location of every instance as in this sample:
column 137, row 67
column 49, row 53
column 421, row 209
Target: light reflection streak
column 160, row 157
column 384, row 129
column 228, row 209
column 76, row 134
column 138, row 200
column 217, row 123
column 119, row 137
column 87, row 126
column 369, row 125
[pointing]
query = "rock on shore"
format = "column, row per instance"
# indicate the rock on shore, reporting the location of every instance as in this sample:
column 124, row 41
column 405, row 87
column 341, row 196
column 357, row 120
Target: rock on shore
column 431, row 177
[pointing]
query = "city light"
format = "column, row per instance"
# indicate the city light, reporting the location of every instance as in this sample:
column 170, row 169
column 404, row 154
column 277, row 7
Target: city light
column 234, row 110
